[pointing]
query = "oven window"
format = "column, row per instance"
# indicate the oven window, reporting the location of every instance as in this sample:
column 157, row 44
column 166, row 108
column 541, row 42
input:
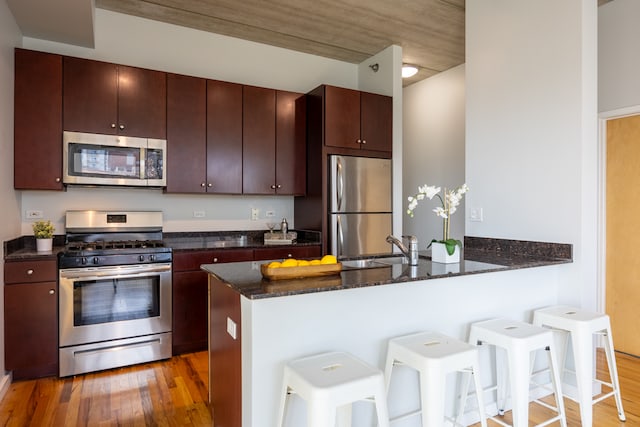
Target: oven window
column 112, row 300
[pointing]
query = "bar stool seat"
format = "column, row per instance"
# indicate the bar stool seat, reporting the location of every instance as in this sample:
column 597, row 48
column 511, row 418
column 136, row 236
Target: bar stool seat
column 519, row 339
column 330, row 383
column 581, row 326
column 434, row 356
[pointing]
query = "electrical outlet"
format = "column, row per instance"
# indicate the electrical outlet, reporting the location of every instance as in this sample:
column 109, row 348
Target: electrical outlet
column 269, row 214
column 254, row 214
column 231, row 328
column 198, row 214
column 32, row 214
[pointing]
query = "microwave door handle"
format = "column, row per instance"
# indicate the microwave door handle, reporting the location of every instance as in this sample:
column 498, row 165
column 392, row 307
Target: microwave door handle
column 143, row 164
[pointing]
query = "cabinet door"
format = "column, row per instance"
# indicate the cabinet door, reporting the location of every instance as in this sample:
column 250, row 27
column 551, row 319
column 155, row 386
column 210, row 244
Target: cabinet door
column 37, row 121
column 192, row 260
column 288, row 252
column 142, row 102
column 31, row 329
column 190, row 312
column 342, row 117
column 290, row 143
column 376, row 113
column 90, row 98
column 224, row 137
column 186, row 134
column 258, row 141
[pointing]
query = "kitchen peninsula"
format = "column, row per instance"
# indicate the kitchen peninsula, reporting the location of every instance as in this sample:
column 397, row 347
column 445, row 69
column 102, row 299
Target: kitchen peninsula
column 257, row 325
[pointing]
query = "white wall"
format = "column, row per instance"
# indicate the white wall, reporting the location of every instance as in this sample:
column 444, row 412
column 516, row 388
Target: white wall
column 134, row 41
column 618, row 55
column 10, row 37
column 434, row 126
column 531, row 138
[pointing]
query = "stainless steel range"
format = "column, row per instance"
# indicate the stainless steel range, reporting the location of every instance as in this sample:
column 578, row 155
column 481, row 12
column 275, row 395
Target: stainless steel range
column 115, row 291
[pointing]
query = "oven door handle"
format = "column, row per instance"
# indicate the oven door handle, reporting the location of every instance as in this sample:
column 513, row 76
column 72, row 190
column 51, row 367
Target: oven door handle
column 113, row 272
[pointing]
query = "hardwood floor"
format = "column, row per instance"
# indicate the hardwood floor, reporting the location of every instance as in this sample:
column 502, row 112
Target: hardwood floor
column 174, row 393
column 605, row 413
column 168, row 393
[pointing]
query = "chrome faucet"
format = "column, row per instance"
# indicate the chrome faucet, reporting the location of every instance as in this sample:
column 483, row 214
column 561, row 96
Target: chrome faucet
column 410, row 252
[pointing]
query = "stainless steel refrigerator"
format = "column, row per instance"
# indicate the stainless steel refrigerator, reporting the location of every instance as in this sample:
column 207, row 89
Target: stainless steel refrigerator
column 360, row 215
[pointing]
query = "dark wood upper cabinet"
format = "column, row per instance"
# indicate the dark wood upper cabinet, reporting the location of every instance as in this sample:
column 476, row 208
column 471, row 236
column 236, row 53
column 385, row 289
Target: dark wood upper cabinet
column 106, row 98
column 186, row 134
column 376, row 118
column 258, row 140
column 290, row 143
column 37, row 121
column 357, row 120
column 224, row 137
column 274, row 144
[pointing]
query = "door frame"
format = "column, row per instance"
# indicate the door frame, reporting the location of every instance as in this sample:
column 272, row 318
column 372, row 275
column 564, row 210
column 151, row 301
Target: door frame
column 603, row 118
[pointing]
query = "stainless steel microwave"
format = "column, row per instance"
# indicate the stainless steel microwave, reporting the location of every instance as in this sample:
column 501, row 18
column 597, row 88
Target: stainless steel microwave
column 93, row 159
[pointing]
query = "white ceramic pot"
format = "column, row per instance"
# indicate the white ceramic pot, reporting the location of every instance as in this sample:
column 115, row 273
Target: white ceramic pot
column 439, row 254
column 44, row 245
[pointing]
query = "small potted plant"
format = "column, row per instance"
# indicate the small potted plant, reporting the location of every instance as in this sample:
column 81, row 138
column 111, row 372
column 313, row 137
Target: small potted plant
column 43, row 232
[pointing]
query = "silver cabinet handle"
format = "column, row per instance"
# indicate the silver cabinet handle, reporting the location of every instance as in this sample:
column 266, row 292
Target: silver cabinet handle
column 278, row 186
column 202, row 184
column 121, row 127
column 29, row 272
column 215, row 259
column 210, row 185
column 57, row 179
column 113, row 125
column 52, row 291
column 364, row 141
column 273, row 187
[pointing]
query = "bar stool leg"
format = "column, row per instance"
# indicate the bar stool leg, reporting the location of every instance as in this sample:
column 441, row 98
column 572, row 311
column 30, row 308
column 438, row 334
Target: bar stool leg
column 432, row 398
column 380, row 399
column 344, row 416
column 583, row 350
column 519, row 387
column 321, row 414
column 502, row 379
column 557, row 385
column 479, row 393
column 613, row 373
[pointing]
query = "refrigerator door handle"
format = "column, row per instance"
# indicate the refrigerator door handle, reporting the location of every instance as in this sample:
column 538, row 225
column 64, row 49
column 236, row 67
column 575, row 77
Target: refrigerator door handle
column 339, row 237
column 339, row 184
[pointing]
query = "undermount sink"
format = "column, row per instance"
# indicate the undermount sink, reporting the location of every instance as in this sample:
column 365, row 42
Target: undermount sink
column 378, row 262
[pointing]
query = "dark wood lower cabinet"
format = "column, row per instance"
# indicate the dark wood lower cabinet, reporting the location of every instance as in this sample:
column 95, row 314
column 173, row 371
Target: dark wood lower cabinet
column 190, row 302
column 288, row 252
column 189, row 312
column 31, row 329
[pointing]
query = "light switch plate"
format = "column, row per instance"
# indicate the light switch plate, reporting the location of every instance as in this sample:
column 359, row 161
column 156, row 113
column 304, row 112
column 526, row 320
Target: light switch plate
column 476, row 214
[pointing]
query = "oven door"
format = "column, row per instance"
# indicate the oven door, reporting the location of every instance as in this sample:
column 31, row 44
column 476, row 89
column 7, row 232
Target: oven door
column 107, row 303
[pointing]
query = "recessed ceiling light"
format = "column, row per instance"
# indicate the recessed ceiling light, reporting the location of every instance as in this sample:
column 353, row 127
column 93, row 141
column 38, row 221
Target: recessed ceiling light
column 408, row 70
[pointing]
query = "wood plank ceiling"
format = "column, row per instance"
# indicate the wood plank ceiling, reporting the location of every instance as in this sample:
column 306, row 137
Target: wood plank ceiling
column 430, row 32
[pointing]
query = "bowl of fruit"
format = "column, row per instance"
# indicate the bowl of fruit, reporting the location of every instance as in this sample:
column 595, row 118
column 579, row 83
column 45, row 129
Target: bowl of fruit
column 292, row 268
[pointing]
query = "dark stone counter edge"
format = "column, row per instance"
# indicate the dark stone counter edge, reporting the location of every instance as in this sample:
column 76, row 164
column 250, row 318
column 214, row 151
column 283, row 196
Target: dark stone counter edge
column 24, row 247
column 505, row 254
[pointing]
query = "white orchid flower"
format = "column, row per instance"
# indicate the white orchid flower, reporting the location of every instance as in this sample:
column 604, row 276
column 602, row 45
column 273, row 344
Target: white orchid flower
column 441, row 212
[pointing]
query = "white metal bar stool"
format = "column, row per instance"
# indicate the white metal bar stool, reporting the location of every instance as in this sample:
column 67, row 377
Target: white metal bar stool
column 519, row 339
column 330, row 383
column 581, row 325
column 434, row 355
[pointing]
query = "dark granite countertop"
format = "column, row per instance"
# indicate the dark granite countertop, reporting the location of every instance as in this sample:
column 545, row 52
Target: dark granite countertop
column 24, row 248
column 479, row 256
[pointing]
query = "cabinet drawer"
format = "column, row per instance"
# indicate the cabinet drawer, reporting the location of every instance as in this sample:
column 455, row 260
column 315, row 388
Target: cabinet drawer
column 189, row 261
column 288, row 252
column 30, row 271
